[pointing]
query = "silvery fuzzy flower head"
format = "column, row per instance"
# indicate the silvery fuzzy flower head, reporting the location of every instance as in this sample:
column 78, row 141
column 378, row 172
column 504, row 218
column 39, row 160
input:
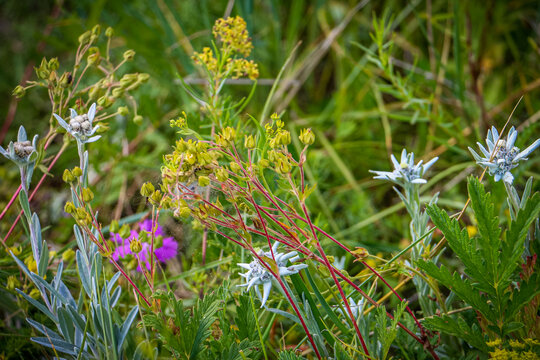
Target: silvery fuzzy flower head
column 259, row 275
column 22, row 152
column 80, row 126
column 405, row 171
column 501, row 155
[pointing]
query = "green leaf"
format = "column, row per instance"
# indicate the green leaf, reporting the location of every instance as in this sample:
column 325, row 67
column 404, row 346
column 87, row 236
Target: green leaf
column 25, row 204
column 458, row 328
column 461, row 287
column 488, row 226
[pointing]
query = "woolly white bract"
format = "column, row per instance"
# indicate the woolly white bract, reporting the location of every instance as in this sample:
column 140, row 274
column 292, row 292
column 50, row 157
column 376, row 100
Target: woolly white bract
column 501, row 155
column 258, row 275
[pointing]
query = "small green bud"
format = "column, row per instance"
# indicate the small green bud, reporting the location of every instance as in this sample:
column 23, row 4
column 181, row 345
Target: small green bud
column 124, row 232
column 283, row 166
column 87, row 195
column 15, row 250
column 68, row 176
column 85, row 37
column 135, row 246
column 137, row 119
column 204, row 181
column 109, row 32
column 117, row 92
column 68, row 255
column 128, row 79
column 53, row 64
column 114, row 227
column 129, row 55
column 143, row 77
column 284, row 137
column 123, row 110
column 94, row 59
column 96, row 29
column 147, row 189
column 43, row 70
column 249, row 142
column 69, row 207
column 76, row 171
column 307, row 137
column 12, row 283
column 65, row 80
column 19, row 92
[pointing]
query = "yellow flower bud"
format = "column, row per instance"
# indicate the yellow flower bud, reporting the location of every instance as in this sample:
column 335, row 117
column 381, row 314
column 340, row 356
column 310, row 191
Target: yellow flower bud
column 307, row 137
column 68, row 255
column 235, row 167
column 184, row 211
column 31, row 264
column 12, row 283
column 283, row 166
column 68, row 176
column 35, row 294
column 83, row 39
column 222, row 175
column 135, row 246
column 156, row 197
column 87, row 195
column 96, row 29
column 53, row 64
column 15, row 250
column 203, row 181
column 117, row 92
column 143, row 77
column 264, row 163
column 77, row 172
column 249, row 142
column 147, row 189
column 69, row 207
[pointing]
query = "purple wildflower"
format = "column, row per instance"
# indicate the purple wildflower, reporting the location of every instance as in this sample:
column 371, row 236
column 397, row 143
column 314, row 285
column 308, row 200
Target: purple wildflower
column 165, row 250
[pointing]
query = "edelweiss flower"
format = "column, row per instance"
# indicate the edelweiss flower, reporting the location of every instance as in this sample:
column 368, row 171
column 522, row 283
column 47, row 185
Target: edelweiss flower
column 505, row 155
column 405, row 171
column 22, row 152
column 258, row 275
column 80, row 126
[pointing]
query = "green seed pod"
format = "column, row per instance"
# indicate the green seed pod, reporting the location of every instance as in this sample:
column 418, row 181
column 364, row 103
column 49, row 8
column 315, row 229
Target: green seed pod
column 129, row 55
column 53, row 64
column 68, row 255
column 138, row 119
column 19, row 92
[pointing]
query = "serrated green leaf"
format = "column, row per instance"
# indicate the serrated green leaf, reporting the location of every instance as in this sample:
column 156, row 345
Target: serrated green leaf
column 458, row 328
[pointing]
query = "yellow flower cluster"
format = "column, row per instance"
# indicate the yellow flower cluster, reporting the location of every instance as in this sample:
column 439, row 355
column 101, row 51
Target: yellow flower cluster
column 207, row 59
column 233, row 34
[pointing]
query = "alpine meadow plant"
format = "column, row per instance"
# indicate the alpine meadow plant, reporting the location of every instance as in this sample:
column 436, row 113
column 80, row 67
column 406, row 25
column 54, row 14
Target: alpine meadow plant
column 230, row 255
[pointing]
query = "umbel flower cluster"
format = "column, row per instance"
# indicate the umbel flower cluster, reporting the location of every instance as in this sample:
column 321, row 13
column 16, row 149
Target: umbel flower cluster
column 405, row 171
column 138, row 243
column 259, row 275
column 501, row 155
column 232, row 34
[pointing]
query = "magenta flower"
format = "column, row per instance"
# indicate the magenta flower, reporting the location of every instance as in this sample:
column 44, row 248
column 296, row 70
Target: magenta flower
column 165, row 248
